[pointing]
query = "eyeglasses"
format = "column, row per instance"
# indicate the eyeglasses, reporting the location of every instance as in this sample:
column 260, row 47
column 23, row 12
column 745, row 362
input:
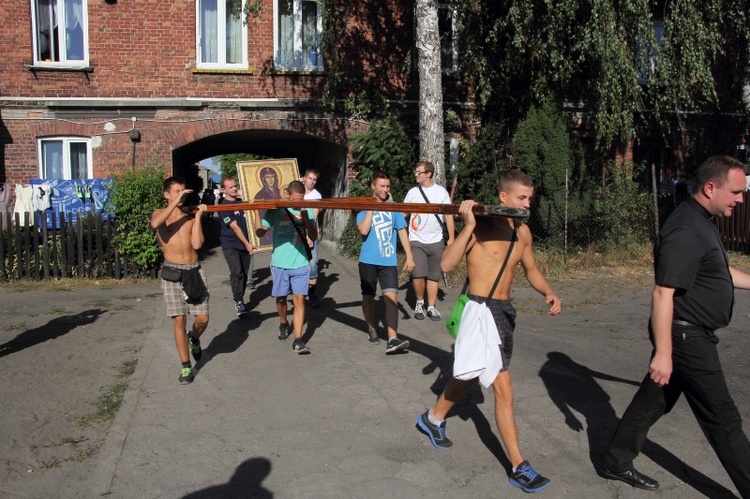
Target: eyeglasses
column 417, row 172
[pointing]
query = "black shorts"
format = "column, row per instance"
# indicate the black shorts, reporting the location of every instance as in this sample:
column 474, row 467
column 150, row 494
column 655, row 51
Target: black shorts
column 505, row 319
column 370, row 275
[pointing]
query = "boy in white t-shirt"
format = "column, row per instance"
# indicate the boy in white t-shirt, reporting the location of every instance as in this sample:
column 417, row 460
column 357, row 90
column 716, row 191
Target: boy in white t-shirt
column 426, row 238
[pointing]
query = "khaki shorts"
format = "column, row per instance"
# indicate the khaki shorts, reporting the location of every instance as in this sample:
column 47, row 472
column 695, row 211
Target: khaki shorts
column 174, row 299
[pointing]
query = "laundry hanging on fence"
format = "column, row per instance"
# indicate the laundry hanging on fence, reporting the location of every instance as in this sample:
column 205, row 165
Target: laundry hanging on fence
column 42, row 196
column 75, row 196
column 4, row 203
column 24, row 203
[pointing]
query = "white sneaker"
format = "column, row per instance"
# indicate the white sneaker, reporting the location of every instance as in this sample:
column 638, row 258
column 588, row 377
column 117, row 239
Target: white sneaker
column 433, row 314
column 419, row 312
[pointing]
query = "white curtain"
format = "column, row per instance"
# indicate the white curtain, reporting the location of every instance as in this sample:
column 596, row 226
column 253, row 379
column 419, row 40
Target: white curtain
column 74, row 30
column 46, row 20
column 52, row 154
column 73, row 13
column 234, row 33
column 309, row 32
column 78, row 161
column 285, row 57
column 209, row 31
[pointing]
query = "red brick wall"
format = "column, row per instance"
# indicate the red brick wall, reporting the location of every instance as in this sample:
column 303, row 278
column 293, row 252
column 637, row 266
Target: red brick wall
column 147, row 48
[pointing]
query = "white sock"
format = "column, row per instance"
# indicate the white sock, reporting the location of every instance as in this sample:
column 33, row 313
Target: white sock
column 430, row 307
column 432, row 419
column 420, row 302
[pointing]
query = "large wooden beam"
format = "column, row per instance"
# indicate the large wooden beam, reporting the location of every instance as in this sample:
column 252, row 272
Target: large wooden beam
column 365, row 204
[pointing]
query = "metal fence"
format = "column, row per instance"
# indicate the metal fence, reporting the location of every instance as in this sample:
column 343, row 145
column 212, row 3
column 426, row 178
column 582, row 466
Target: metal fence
column 71, row 245
column 593, row 233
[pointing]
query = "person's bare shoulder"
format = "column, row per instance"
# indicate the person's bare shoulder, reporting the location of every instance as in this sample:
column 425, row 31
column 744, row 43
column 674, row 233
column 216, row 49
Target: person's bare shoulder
column 156, row 212
column 524, row 234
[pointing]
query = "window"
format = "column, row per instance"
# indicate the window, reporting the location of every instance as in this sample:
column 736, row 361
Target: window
column 65, row 159
column 60, row 32
column 298, row 25
column 221, row 36
column 650, row 54
column 448, row 42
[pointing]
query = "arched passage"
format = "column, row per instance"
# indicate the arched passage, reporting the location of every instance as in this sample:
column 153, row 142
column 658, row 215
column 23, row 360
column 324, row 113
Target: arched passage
column 328, row 158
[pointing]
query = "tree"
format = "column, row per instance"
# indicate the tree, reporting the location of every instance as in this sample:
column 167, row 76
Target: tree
column 541, row 147
column 431, row 140
column 602, row 57
column 228, row 162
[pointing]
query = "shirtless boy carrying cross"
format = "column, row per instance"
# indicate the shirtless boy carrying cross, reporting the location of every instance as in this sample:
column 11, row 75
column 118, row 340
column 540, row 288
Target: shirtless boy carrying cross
column 485, row 242
column 180, row 236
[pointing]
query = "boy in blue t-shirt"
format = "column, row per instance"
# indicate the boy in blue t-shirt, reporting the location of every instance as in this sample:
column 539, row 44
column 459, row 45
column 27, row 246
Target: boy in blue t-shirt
column 290, row 266
column 378, row 261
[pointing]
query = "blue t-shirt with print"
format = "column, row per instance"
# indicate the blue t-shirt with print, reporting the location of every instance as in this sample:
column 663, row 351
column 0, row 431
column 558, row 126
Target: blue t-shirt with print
column 288, row 248
column 379, row 245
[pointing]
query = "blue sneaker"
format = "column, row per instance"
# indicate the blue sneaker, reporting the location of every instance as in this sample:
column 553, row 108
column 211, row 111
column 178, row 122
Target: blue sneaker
column 436, row 433
column 528, row 480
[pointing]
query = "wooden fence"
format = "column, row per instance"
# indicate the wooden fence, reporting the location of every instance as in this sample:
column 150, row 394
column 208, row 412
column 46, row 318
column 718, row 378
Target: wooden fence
column 735, row 230
column 72, row 245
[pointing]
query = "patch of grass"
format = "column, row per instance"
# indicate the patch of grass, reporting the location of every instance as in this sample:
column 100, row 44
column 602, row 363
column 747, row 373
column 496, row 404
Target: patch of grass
column 101, row 303
column 124, row 307
column 583, row 305
column 58, row 311
column 152, row 295
column 69, row 284
column 474, row 474
column 136, row 348
column 127, row 368
column 15, row 327
column 71, row 441
column 106, row 405
column 48, row 465
column 142, row 330
column 83, row 454
column 739, row 260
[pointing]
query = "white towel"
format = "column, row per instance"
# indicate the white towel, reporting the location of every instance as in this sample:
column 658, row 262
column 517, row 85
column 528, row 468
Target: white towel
column 477, row 349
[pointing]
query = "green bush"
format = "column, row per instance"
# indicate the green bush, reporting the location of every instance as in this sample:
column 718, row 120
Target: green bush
column 350, row 241
column 620, row 211
column 134, row 196
column 542, row 148
column 479, row 170
column 384, row 146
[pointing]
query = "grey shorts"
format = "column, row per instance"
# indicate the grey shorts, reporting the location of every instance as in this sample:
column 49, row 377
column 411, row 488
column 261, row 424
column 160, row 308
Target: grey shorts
column 427, row 260
column 505, row 319
column 174, row 299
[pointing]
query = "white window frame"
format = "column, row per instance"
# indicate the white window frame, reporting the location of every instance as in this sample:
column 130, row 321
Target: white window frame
column 221, row 35
column 301, row 62
column 61, row 15
column 66, row 166
column 454, row 41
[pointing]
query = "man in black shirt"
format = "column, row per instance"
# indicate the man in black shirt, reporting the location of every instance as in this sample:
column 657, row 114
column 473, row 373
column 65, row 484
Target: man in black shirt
column 237, row 249
column 693, row 296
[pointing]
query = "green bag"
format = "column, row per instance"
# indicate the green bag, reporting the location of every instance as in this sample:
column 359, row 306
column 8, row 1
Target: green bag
column 455, row 318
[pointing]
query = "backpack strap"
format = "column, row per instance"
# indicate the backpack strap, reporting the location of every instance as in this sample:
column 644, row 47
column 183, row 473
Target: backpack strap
column 301, row 231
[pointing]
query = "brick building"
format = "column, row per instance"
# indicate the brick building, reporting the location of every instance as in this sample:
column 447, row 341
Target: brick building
column 89, row 87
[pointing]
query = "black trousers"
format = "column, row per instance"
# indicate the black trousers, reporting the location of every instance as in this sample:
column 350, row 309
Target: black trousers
column 696, row 373
column 239, row 262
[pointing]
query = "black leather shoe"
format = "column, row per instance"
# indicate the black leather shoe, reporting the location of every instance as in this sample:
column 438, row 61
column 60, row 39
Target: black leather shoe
column 632, row 477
